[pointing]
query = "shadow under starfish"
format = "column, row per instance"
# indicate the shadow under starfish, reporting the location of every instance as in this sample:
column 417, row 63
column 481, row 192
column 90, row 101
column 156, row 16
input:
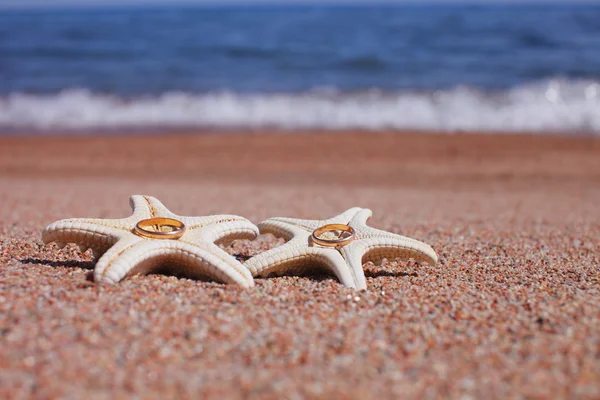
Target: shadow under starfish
column 165, row 269
column 393, row 274
column 89, row 265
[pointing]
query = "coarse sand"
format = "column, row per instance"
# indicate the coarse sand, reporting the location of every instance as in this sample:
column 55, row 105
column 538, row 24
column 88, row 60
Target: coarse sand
column 511, row 311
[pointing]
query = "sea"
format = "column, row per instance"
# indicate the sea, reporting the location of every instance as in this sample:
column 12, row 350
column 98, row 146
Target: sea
column 495, row 68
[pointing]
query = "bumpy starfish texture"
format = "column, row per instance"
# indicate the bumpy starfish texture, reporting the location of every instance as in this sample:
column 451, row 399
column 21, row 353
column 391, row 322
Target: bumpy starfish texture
column 123, row 253
column 300, row 253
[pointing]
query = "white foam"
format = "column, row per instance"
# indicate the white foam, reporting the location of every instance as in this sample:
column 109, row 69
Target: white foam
column 556, row 105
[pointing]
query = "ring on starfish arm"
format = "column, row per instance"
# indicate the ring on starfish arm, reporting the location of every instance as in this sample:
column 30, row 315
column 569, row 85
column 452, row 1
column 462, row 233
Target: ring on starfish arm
column 177, row 231
column 340, row 241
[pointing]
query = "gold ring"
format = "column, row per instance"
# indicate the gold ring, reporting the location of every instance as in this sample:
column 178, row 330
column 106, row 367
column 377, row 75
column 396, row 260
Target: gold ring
column 340, row 241
column 177, row 228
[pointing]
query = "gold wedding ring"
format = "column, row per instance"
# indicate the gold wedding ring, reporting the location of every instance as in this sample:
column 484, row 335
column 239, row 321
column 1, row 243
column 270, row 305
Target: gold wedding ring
column 175, row 231
column 346, row 236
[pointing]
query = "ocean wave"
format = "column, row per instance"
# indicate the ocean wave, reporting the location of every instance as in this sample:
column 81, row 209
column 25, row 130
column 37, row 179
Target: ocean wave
column 551, row 106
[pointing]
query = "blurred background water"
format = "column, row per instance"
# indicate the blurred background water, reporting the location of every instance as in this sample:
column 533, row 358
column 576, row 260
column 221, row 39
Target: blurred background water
column 484, row 68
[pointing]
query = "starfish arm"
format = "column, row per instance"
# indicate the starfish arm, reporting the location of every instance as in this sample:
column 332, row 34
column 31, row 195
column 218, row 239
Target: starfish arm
column 311, row 225
column 194, row 261
column 361, row 217
column 353, row 254
column 223, row 231
column 83, row 233
column 377, row 248
column 103, row 265
column 378, row 244
column 145, row 207
column 359, row 223
column 281, row 229
column 295, row 257
column 206, row 221
column 229, row 265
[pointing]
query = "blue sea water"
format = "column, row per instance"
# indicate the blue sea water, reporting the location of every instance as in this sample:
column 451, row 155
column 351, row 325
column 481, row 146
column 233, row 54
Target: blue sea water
column 492, row 68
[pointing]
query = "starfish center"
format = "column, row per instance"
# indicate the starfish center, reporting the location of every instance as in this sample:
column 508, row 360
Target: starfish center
column 333, row 235
column 160, row 228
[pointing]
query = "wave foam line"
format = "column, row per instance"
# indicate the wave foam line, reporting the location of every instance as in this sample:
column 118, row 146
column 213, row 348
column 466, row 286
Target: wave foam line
column 551, row 106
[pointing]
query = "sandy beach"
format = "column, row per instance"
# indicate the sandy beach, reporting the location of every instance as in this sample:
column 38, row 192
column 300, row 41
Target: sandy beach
column 511, row 311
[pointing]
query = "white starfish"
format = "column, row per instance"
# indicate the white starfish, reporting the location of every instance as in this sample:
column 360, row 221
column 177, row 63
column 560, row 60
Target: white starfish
column 124, row 253
column 300, row 253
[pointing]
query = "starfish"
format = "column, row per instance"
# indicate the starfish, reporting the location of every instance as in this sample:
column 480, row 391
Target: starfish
column 300, row 252
column 194, row 254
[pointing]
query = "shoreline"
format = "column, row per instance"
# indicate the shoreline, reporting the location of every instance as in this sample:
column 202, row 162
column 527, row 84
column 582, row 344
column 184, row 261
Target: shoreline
column 209, row 130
